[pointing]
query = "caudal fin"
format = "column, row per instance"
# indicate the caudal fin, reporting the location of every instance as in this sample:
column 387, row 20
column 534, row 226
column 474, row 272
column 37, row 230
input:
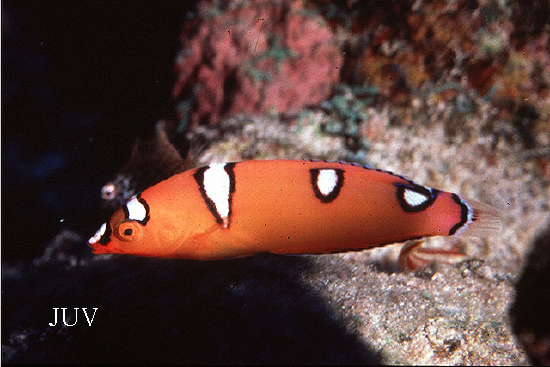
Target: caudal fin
column 483, row 220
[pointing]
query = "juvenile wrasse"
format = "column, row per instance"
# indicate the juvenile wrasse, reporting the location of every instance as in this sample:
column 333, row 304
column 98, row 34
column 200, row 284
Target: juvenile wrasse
column 229, row 210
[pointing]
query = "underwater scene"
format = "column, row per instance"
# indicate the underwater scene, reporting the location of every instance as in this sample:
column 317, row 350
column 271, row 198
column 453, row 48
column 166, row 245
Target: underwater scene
column 276, row 182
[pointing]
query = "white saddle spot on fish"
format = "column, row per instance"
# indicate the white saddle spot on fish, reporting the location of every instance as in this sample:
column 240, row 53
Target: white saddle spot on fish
column 217, row 186
column 136, row 210
column 414, row 198
column 327, row 181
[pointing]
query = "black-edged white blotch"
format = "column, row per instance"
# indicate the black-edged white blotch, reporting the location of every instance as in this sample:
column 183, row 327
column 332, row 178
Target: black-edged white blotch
column 137, row 209
column 414, row 197
column 327, row 183
column 217, row 185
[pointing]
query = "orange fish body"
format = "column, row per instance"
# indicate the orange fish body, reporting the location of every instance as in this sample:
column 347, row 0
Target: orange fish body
column 289, row 207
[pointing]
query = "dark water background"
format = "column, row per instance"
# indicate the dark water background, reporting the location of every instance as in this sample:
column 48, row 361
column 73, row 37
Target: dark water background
column 80, row 80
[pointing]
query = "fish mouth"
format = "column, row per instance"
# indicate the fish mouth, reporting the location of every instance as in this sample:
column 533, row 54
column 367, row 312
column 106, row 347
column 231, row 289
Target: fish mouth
column 98, row 249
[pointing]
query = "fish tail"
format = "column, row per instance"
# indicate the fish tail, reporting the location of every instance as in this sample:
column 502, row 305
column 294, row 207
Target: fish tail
column 483, row 220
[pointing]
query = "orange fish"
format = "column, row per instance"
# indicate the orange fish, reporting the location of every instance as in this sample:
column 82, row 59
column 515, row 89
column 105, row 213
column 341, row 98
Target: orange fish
column 229, row 210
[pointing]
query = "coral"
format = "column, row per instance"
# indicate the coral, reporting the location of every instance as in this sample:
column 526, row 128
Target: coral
column 495, row 49
column 255, row 57
column 431, row 44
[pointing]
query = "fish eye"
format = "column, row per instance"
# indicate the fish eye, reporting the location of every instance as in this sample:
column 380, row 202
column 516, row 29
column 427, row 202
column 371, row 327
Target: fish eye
column 129, row 231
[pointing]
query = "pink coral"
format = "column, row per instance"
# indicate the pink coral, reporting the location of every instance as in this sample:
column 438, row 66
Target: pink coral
column 253, row 57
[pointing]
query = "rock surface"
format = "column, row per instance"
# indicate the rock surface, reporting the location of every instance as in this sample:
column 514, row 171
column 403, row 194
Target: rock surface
column 342, row 308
